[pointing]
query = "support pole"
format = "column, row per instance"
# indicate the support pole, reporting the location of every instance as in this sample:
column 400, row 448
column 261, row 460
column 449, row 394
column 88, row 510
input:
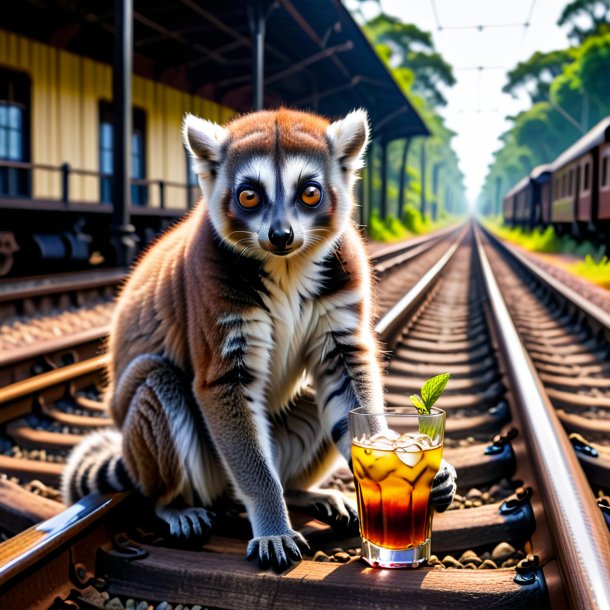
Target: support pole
column 404, row 178
column 257, row 14
column 122, row 231
column 434, row 208
column 383, row 208
column 422, row 169
column 498, row 203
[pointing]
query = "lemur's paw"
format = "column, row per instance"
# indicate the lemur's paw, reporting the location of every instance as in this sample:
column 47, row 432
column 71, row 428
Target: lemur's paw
column 443, row 487
column 276, row 551
column 327, row 505
column 187, row 522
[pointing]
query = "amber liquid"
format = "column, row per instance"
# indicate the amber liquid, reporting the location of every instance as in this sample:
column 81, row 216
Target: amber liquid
column 393, row 497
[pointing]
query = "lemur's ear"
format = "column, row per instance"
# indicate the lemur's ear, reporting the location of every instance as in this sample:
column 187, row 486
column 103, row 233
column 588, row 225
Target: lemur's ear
column 203, row 139
column 349, row 138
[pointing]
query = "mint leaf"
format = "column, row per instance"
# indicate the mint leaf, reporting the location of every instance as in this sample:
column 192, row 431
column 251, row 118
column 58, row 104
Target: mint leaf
column 433, row 388
column 418, row 404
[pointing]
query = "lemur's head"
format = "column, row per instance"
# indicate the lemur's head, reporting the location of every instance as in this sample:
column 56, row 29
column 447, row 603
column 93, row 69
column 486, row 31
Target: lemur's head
column 278, row 182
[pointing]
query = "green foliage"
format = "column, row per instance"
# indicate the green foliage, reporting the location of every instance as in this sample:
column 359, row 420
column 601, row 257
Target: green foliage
column 412, row 219
column 593, row 264
column 421, row 73
column 430, row 392
column 536, row 74
column 570, row 92
column 388, row 230
column 404, row 46
column 546, row 240
column 392, row 229
column 597, row 272
column 586, row 18
column 593, row 71
column 377, row 229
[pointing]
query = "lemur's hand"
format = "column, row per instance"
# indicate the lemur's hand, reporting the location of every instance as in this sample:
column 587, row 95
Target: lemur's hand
column 443, row 487
column 276, row 551
column 327, row 505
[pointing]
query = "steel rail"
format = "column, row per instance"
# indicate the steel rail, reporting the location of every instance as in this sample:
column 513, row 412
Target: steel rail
column 394, row 250
column 578, row 529
column 35, row 543
column 393, row 321
column 31, row 287
column 51, row 346
column 592, row 311
column 30, row 387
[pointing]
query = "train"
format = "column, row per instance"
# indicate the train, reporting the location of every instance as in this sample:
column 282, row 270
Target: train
column 571, row 194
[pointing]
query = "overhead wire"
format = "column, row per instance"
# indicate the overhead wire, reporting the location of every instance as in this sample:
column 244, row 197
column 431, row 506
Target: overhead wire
column 526, row 25
column 481, row 27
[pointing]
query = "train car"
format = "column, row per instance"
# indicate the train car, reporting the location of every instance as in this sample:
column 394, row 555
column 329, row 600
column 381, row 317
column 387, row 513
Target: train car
column 515, row 201
column 603, row 209
column 579, row 187
column 572, row 193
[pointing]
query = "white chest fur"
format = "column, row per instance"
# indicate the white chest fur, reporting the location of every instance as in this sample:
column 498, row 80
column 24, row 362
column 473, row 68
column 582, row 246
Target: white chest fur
column 294, row 314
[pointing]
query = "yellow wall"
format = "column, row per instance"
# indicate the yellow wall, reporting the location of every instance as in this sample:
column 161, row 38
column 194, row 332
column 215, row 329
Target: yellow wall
column 65, row 94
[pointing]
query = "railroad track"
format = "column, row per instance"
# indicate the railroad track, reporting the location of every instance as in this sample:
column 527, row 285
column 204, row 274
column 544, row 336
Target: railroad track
column 510, row 540
column 51, row 321
column 568, row 339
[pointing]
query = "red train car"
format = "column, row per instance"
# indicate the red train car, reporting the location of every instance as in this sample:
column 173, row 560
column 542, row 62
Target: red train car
column 527, row 204
column 515, row 202
column 578, row 202
column 572, row 193
column 603, row 210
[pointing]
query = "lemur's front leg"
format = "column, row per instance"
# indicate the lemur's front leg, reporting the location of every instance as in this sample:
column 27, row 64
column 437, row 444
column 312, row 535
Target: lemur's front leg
column 237, row 421
column 348, row 376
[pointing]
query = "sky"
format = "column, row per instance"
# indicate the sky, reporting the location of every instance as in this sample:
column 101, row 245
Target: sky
column 476, row 107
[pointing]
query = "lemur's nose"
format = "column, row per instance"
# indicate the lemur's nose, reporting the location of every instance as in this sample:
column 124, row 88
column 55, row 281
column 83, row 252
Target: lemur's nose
column 281, row 235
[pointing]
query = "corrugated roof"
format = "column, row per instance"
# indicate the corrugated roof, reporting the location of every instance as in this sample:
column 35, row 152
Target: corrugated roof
column 316, row 56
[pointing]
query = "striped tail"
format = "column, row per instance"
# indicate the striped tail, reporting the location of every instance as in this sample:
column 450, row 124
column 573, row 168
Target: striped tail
column 95, row 465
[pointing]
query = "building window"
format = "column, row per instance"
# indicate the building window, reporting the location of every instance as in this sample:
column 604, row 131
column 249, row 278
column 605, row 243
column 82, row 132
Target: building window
column 585, row 180
column 139, row 192
column 14, row 133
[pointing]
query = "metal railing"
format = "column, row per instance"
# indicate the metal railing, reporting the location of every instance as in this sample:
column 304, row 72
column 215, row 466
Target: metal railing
column 65, row 172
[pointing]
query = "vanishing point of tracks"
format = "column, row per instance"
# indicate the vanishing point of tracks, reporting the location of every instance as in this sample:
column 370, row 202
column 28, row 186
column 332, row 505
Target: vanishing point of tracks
column 525, row 530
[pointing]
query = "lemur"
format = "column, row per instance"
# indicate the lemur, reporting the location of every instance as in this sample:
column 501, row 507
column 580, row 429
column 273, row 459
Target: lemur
column 263, row 288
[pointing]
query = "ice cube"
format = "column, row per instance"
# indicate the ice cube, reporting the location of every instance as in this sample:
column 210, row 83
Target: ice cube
column 382, row 441
column 409, row 457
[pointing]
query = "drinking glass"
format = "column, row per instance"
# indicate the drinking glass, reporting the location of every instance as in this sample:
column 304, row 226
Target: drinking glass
column 396, row 454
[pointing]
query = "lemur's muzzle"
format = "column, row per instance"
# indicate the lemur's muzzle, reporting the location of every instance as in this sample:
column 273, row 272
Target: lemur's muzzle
column 281, row 236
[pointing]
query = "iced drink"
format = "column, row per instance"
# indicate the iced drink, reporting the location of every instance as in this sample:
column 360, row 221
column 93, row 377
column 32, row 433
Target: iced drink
column 393, row 473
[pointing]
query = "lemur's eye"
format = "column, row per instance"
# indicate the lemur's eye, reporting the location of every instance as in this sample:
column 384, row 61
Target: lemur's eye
column 311, row 195
column 249, row 198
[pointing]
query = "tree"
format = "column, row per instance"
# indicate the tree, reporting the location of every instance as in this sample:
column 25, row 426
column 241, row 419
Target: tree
column 421, row 73
column 570, row 93
column 595, row 13
column 404, row 45
column 594, row 74
column 536, row 74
